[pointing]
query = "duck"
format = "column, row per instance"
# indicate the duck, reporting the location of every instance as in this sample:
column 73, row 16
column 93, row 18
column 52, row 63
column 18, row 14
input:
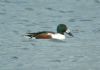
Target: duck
column 59, row 35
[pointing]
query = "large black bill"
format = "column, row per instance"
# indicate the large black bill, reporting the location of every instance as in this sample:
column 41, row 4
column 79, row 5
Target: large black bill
column 70, row 34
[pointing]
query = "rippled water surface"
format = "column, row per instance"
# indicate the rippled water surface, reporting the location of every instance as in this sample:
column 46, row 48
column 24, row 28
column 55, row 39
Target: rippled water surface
column 81, row 52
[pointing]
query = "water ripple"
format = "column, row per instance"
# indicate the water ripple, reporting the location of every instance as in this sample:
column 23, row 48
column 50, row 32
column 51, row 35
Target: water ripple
column 85, row 20
column 29, row 9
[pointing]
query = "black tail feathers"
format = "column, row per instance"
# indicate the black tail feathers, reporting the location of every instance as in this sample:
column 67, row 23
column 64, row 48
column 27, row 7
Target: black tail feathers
column 31, row 35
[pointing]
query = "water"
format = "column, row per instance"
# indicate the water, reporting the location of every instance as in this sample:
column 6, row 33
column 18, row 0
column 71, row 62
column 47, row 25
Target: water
column 81, row 52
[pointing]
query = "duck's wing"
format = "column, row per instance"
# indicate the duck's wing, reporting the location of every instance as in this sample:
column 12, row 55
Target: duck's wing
column 39, row 34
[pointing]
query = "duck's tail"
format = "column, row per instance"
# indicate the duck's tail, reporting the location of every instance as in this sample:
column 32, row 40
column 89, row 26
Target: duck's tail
column 31, row 35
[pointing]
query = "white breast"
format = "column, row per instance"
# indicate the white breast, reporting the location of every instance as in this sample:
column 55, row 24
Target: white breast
column 58, row 36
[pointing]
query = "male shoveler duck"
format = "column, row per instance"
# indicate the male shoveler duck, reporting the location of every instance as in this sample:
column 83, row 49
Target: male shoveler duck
column 61, row 29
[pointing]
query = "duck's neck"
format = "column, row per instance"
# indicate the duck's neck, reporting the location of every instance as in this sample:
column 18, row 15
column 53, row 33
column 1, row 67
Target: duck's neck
column 61, row 33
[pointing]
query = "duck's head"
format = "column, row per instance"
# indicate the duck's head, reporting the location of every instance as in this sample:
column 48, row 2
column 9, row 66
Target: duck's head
column 62, row 28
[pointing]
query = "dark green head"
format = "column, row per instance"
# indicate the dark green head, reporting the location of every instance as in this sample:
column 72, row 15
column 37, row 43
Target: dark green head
column 62, row 28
